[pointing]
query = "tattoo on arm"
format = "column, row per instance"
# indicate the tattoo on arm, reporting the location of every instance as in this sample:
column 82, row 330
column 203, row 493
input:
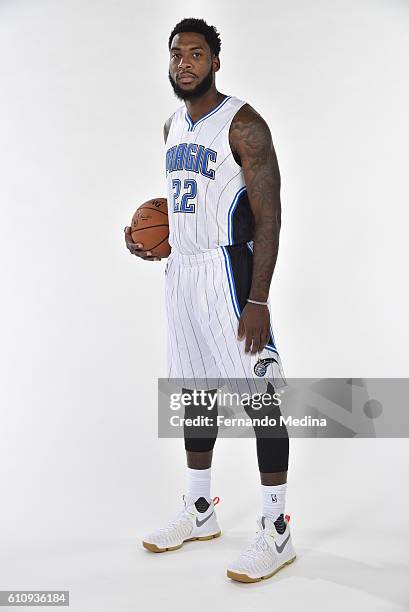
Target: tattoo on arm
column 251, row 139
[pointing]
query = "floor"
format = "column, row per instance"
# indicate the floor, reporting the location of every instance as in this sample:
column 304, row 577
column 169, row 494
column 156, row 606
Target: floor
column 349, row 524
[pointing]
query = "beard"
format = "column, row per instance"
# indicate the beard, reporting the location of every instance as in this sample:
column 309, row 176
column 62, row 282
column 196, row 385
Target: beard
column 200, row 89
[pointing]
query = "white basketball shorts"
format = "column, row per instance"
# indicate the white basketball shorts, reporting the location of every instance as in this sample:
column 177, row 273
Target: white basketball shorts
column 205, row 294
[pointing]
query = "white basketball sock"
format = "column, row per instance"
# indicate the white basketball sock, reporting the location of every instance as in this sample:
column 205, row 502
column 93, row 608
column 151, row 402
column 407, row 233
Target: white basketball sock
column 273, row 500
column 198, row 483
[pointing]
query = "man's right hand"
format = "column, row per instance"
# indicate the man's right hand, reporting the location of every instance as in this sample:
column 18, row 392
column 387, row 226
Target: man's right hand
column 136, row 248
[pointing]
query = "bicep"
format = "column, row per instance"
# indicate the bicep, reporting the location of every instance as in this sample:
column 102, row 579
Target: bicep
column 259, row 162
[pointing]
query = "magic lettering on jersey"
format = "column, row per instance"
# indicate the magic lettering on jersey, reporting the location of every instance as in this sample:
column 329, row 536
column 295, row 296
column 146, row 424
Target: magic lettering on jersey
column 191, row 157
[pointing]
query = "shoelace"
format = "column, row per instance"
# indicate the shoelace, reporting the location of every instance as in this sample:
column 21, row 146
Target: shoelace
column 184, row 513
column 258, row 544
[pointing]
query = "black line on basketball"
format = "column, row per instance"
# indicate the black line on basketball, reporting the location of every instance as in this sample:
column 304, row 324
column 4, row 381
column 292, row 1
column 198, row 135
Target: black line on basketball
column 156, row 245
column 163, row 212
column 148, row 227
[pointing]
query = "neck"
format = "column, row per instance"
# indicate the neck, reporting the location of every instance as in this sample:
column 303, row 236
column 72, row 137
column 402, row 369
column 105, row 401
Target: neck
column 201, row 106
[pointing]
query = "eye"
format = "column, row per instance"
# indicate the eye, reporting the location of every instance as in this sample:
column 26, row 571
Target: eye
column 197, row 54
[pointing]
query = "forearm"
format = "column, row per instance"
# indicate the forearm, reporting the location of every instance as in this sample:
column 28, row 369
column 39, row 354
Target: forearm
column 265, row 251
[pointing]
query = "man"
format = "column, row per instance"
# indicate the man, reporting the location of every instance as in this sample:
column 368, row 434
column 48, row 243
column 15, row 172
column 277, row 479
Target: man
column 224, row 218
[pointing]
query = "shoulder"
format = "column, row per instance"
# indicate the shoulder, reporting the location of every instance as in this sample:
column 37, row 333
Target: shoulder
column 168, row 122
column 166, row 127
column 249, row 128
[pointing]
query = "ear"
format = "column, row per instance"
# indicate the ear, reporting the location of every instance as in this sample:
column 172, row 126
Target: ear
column 216, row 63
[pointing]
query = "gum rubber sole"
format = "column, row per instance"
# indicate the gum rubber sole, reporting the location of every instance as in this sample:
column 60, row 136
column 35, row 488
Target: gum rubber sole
column 156, row 549
column 245, row 578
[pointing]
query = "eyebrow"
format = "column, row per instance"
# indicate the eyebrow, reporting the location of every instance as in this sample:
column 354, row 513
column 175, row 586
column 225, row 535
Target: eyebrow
column 190, row 48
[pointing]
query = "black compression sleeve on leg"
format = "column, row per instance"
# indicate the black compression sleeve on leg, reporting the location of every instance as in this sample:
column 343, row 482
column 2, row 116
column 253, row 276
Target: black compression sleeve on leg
column 202, row 437
column 272, row 440
column 272, row 454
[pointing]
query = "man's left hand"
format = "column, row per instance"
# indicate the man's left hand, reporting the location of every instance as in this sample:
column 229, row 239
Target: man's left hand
column 254, row 326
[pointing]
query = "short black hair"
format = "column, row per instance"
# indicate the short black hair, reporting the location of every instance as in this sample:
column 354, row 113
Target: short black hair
column 210, row 33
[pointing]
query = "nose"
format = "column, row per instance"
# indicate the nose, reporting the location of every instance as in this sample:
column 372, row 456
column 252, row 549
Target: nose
column 183, row 64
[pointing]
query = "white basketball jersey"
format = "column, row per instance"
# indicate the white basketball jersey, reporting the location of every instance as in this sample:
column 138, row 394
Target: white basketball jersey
column 208, row 205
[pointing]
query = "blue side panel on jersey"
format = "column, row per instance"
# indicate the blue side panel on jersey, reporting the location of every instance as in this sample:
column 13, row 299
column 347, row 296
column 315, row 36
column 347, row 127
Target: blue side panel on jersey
column 272, row 347
column 230, row 279
column 268, row 347
column 231, row 211
column 233, row 293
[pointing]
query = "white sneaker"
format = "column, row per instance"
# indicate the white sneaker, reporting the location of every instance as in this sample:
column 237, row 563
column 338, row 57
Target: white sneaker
column 267, row 553
column 192, row 523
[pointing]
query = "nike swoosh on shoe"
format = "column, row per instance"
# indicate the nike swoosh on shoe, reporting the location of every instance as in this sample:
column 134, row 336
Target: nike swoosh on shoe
column 280, row 547
column 200, row 523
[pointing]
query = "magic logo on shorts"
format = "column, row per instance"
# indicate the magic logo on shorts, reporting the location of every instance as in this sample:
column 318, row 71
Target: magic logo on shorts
column 260, row 369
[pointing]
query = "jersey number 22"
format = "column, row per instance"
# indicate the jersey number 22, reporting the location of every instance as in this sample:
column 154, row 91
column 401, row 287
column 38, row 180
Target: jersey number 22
column 186, row 202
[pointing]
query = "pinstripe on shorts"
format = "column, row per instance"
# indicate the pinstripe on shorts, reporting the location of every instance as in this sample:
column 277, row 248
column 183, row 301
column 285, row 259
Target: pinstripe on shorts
column 205, row 294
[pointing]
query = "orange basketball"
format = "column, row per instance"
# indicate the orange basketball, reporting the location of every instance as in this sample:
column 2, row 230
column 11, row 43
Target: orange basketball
column 150, row 227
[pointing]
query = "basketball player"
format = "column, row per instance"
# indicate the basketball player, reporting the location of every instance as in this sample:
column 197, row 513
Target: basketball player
column 224, row 222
